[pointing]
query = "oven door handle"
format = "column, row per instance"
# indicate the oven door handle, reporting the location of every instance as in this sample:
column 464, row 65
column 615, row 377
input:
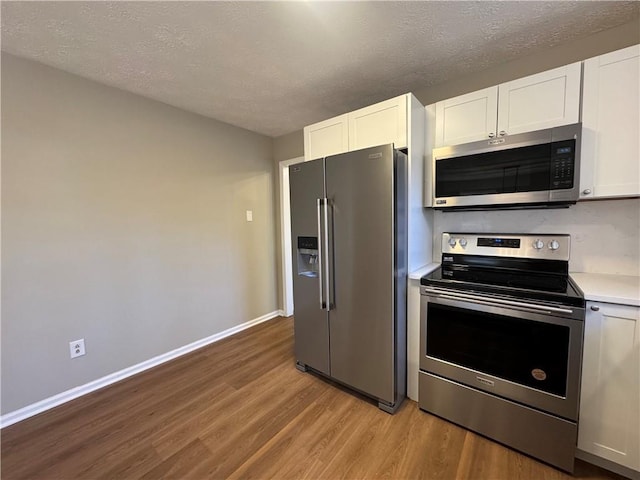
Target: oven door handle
column 498, row 301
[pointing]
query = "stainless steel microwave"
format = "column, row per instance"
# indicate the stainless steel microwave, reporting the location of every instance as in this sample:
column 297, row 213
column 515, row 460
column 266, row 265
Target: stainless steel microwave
column 527, row 170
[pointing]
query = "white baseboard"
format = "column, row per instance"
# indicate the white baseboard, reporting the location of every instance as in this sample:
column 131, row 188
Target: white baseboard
column 48, row 403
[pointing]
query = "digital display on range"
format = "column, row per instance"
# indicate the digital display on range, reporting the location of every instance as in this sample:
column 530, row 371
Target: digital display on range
column 499, row 242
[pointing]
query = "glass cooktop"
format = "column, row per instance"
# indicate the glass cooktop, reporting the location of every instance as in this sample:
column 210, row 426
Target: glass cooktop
column 544, row 280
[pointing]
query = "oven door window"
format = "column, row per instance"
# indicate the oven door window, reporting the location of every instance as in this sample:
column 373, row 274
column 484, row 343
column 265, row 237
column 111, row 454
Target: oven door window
column 526, row 352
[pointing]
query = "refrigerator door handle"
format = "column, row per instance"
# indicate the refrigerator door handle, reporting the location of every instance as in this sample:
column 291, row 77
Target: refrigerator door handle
column 319, row 203
column 327, row 262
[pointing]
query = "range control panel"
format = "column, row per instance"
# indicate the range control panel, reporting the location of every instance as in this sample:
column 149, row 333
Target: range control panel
column 542, row 245
column 498, row 242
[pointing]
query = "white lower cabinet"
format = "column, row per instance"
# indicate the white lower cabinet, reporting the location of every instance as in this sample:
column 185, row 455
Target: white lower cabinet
column 609, row 425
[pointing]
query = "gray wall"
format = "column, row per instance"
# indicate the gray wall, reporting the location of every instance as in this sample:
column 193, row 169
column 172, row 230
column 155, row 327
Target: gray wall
column 123, row 223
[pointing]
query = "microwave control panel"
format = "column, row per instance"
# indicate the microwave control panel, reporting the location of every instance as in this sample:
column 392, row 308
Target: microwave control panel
column 563, row 164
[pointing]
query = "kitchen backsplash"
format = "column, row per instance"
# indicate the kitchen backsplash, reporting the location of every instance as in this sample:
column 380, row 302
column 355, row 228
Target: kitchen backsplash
column 605, row 234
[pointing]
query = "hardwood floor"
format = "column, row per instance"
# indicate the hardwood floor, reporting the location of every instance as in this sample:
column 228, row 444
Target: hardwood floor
column 239, row 409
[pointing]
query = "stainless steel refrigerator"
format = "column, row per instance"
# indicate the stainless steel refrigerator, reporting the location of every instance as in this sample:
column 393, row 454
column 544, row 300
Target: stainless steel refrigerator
column 349, row 245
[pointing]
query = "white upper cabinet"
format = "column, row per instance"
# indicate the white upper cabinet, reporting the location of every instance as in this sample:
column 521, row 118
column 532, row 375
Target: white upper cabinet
column 379, row 124
column 467, row 118
column 382, row 123
column 326, row 138
column 544, row 100
column 610, row 396
column 610, row 160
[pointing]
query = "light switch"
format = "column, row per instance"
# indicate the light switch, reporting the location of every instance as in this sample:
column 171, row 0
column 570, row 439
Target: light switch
column 249, row 215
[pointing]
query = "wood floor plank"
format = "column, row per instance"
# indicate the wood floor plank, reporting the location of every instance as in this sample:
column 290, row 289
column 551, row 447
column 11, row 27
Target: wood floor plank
column 234, row 407
column 239, row 409
column 349, row 459
column 250, row 433
column 182, row 464
column 393, row 445
column 313, row 432
column 106, row 444
column 486, row 459
column 437, row 447
column 144, row 429
column 132, row 463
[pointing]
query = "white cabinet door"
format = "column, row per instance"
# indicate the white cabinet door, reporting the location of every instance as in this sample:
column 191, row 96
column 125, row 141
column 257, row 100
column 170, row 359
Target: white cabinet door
column 610, row 165
column 326, row 138
column 609, row 424
column 382, row 123
column 544, row 100
column 466, row 118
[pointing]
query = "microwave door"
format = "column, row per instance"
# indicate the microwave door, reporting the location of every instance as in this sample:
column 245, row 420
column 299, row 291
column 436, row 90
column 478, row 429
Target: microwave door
column 491, row 178
column 532, row 168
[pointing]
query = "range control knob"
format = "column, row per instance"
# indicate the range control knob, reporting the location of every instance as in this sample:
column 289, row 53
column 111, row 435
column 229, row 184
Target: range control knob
column 463, row 242
column 452, row 242
column 538, row 244
column 554, row 245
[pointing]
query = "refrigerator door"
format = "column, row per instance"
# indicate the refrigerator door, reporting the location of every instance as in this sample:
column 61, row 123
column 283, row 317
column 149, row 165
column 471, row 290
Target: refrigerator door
column 311, row 324
column 360, row 192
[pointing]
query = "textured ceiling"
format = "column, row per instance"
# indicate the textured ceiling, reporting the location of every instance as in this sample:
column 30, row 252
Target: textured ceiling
column 273, row 67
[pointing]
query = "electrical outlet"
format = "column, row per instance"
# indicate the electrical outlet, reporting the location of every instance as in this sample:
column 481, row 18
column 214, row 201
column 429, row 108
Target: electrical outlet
column 76, row 348
column 249, row 215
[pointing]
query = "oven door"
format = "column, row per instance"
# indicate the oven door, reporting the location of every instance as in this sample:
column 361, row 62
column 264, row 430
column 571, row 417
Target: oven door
column 529, row 353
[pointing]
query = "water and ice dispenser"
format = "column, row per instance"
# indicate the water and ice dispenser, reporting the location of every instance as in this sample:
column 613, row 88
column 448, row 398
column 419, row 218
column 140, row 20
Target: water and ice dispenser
column 308, row 256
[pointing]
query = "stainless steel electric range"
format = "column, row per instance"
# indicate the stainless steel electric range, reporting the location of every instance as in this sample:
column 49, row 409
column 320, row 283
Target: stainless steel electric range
column 501, row 331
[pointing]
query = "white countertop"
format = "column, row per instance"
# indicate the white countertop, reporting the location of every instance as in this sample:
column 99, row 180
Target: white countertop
column 422, row 271
column 600, row 287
